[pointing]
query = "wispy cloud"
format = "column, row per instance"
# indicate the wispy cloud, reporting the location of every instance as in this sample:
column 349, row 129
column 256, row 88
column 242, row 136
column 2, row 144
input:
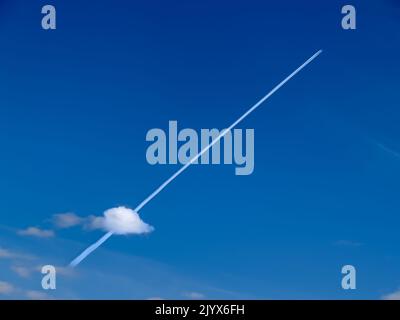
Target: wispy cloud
column 347, row 243
column 392, row 296
column 67, row 220
column 7, row 254
column 26, row 266
column 13, row 255
column 64, row 271
column 6, row 288
column 37, row 295
column 20, row 263
column 194, row 295
column 36, row 232
column 22, row 271
column 27, row 271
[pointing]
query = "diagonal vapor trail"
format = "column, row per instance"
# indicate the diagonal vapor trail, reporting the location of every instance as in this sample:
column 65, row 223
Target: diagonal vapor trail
column 104, row 238
column 388, row 150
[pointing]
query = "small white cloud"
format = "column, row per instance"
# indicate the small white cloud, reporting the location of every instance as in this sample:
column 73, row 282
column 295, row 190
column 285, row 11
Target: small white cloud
column 23, row 272
column 194, row 295
column 392, row 296
column 6, row 288
column 155, row 298
column 121, row 220
column 36, row 232
column 67, row 220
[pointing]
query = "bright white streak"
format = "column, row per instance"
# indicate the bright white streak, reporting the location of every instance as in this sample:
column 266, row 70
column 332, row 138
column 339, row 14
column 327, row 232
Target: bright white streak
column 223, row 133
column 89, row 250
column 94, row 246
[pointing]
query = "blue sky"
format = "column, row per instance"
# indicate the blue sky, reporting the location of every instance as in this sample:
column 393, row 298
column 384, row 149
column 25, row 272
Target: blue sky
column 76, row 104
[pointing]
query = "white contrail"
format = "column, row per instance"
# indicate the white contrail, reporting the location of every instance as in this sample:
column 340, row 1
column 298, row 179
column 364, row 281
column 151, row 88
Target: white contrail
column 384, row 148
column 94, row 246
column 90, row 249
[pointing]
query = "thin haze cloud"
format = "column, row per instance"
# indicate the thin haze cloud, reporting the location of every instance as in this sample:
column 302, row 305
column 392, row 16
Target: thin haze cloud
column 104, row 238
column 6, row 288
column 12, row 255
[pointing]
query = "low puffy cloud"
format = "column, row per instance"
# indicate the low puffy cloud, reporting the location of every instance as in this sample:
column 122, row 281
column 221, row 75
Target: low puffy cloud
column 67, row 220
column 392, row 296
column 6, row 288
column 122, row 220
column 36, row 232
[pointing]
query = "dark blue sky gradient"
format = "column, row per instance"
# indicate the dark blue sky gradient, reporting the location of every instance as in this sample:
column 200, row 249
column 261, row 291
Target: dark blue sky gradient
column 76, row 104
